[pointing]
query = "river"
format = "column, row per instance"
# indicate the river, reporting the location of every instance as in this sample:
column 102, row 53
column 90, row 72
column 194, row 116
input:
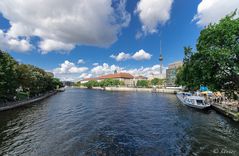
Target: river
column 90, row 122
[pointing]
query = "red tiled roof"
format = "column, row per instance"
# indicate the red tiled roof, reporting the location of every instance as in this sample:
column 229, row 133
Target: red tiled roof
column 117, row 75
column 111, row 76
column 89, row 79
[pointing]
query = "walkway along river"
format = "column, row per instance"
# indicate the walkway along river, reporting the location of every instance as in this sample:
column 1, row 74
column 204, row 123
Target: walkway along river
column 92, row 122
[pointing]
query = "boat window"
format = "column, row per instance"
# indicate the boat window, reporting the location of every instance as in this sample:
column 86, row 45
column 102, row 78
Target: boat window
column 200, row 102
column 189, row 101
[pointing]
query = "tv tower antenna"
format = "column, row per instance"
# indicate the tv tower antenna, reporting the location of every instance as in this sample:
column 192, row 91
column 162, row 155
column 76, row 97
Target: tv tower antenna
column 161, row 59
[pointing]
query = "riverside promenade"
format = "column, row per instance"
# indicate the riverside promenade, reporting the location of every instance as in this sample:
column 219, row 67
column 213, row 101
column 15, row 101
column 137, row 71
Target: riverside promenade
column 127, row 89
column 12, row 105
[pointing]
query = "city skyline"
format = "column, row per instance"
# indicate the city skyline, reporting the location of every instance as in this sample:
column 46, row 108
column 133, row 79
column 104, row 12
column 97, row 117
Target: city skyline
column 87, row 38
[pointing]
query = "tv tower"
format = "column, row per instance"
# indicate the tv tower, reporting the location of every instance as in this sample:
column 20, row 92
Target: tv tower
column 161, row 60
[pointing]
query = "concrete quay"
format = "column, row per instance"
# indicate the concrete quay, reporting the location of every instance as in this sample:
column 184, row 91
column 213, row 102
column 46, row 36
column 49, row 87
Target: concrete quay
column 128, row 89
column 12, row 105
column 227, row 109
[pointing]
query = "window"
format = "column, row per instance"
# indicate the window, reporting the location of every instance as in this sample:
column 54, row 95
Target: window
column 200, row 102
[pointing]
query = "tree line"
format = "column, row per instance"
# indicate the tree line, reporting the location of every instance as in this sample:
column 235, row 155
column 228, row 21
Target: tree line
column 104, row 83
column 215, row 63
column 18, row 81
column 114, row 82
column 150, row 83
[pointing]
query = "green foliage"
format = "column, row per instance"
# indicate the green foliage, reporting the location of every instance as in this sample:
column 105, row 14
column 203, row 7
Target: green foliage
column 22, row 95
column 78, row 84
column 110, row 82
column 35, row 80
column 157, row 81
column 216, row 62
column 8, row 77
column 103, row 83
column 189, row 75
column 142, row 83
column 57, row 83
column 122, row 83
column 91, row 84
column 32, row 80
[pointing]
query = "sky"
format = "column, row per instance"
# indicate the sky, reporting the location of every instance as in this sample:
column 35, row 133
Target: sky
column 78, row 39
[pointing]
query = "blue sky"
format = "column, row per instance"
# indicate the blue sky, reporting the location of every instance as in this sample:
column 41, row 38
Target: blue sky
column 39, row 37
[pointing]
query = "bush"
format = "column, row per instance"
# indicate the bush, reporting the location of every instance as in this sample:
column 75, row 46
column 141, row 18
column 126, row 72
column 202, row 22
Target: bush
column 111, row 82
column 91, row 84
column 142, row 83
column 22, row 95
column 78, row 84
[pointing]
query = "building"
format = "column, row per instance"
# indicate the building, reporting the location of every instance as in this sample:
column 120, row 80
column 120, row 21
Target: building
column 139, row 78
column 174, row 65
column 159, row 76
column 88, row 79
column 127, row 78
column 171, row 73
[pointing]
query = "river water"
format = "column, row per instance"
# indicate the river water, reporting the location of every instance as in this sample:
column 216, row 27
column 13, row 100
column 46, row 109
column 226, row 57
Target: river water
column 90, row 122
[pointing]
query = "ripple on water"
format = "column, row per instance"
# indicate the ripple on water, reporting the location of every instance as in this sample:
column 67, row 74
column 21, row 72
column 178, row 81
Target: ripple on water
column 88, row 122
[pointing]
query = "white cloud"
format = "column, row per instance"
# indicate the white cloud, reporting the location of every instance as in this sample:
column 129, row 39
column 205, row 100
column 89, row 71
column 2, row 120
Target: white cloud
column 11, row 43
column 95, row 64
column 52, row 45
column 68, row 71
column 61, row 25
column 138, row 56
column 81, row 61
column 152, row 13
column 153, row 71
column 104, row 69
column 64, row 72
column 121, row 56
column 211, row 11
column 84, row 76
column 69, row 68
column 141, row 55
column 138, row 35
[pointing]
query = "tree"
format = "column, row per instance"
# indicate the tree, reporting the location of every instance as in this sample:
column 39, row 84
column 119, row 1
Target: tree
column 219, row 44
column 24, row 76
column 57, row 83
column 216, row 62
column 155, row 81
column 161, row 82
column 8, row 77
column 78, row 83
column 110, row 82
column 91, row 84
column 32, row 80
column 142, row 83
column 189, row 75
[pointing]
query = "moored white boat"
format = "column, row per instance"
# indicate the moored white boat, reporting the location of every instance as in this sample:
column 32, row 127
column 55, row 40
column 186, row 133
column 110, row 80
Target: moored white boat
column 193, row 101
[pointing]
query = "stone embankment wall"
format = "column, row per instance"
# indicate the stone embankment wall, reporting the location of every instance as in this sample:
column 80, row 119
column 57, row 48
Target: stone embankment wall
column 13, row 105
column 172, row 91
column 126, row 89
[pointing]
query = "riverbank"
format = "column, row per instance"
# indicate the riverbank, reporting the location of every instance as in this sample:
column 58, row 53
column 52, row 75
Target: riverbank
column 13, row 105
column 127, row 89
column 121, row 123
column 227, row 109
